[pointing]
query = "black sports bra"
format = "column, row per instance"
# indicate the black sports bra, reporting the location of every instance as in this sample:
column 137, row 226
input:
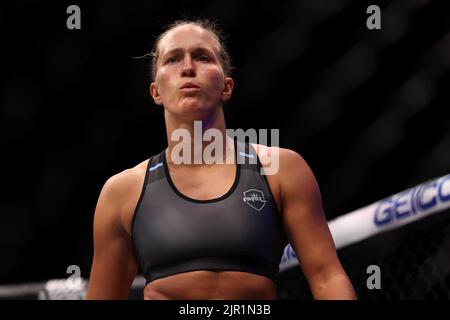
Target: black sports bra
column 241, row 230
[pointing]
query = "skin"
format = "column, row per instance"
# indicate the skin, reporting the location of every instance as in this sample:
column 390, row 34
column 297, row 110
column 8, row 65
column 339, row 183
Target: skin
column 189, row 53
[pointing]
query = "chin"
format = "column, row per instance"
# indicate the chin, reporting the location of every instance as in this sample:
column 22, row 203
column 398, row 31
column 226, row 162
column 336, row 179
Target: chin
column 194, row 107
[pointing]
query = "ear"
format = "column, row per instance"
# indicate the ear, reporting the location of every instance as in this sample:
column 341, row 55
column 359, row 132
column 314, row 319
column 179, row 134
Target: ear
column 228, row 89
column 155, row 94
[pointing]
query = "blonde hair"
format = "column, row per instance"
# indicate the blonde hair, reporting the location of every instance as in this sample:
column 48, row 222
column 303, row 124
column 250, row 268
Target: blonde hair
column 206, row 24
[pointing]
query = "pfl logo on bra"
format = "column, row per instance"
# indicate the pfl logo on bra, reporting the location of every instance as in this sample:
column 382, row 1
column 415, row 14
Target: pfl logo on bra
column 255, row 199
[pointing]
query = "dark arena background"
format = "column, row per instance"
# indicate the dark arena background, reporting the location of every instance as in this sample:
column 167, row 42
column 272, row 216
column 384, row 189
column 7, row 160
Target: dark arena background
column 368, row 109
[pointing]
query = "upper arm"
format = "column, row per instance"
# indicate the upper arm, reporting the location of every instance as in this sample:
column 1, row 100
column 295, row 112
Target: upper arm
column 114, row 265
column 304, row 220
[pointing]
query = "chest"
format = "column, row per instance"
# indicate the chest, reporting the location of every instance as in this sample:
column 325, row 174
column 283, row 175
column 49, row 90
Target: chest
column 204, row 183
column 239, row 221
column 199, row 184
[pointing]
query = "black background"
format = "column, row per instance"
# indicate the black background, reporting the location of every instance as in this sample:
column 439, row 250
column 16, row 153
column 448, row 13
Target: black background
column 367, row 109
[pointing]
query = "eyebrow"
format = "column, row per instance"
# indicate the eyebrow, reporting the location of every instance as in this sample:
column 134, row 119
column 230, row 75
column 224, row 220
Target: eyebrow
column 193, row 50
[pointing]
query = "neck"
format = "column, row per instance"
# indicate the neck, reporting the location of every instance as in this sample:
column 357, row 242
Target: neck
column 191, row 137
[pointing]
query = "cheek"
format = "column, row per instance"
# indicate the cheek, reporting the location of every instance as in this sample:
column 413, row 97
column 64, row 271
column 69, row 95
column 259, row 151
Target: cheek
column 215, row 80
column 164, row 84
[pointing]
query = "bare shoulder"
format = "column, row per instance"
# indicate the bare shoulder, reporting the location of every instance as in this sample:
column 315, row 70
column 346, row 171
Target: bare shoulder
column 120, row 183
column 292, row 173
column 119, row 196
column 292, row 159
column 288, row 159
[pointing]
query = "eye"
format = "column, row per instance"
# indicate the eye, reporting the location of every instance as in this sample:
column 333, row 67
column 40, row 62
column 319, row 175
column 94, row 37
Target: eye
column 203, row 58
column 172, row 59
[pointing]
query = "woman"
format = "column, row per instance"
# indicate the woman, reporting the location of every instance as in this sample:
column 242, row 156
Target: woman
column 208, row 230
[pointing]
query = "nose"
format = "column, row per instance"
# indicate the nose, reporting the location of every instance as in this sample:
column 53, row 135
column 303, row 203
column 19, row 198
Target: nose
column 188, row 67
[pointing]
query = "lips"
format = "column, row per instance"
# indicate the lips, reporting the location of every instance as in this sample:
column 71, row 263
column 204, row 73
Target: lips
column 189, row 85
column 189, row 89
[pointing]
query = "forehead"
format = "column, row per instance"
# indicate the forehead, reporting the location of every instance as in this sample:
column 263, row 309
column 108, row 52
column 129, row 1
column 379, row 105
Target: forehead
column 186, row 37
